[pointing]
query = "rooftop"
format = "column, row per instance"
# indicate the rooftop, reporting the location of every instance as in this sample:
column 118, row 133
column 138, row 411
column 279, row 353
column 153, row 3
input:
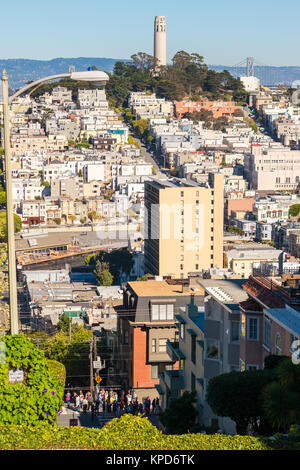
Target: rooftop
column 287, row 317
column 228, row 291
column 154, row 288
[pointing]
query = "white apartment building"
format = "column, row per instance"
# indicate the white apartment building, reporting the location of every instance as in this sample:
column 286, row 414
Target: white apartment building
column 272, row 168
column 93, row 171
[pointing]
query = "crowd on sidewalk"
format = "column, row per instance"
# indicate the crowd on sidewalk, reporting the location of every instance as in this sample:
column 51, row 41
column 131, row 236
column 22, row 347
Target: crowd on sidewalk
column 110, row 402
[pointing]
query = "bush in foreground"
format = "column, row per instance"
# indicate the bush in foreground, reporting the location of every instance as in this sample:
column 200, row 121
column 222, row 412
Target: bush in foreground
column 39, row 397
column 128, row 433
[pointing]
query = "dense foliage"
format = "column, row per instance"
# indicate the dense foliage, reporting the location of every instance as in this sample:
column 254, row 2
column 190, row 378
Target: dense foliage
column 130, row 433
column 180, row 415
column 71, row 348
column 3, row 227
column 294, row 210
column 187, row 76
column 267, row 400
column 109, row 266
column 39, row 397
column 237, row 395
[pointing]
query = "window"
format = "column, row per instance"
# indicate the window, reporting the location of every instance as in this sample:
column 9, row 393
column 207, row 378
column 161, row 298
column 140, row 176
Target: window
column 267, row 332
column 154, row 345
column 154, row 372
column 278, row 345
column 235, row 331
column 193, row 382
column 193, row 349
column 252, row 328
column 182, row 331
column 252, row 367
column 212, row 349
column 162, row 312
column 126, row 334
column 162, row 345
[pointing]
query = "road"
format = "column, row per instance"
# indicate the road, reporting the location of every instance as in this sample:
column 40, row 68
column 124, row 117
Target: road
column 148, row 157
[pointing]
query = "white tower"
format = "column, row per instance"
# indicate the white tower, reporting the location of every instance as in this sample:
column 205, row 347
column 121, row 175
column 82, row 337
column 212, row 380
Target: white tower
column 160, row 39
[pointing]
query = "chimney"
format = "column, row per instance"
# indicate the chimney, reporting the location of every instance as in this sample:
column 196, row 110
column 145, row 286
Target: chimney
column 185, row 286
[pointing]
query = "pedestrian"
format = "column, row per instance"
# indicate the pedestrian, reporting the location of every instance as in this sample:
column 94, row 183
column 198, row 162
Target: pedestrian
column 68, row 399
column 141, row 408
column 147, row 405
column 77, row 403
column 93, row 410
column 90, row 401
column 81, row 398
column 84, row 405
column 153, row 406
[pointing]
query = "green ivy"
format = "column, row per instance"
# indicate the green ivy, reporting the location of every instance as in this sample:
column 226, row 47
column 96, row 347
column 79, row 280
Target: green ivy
column 39, row 397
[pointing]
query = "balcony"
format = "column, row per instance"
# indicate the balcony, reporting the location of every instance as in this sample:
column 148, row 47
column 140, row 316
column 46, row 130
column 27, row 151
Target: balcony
column 174, row 352
column 174, row 380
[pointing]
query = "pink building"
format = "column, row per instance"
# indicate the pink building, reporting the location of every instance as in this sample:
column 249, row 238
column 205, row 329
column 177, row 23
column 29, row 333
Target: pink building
column 268, row 324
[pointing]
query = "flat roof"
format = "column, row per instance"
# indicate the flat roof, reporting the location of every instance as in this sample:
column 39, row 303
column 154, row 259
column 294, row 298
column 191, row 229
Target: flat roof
column 226, row 291
column 152, row 288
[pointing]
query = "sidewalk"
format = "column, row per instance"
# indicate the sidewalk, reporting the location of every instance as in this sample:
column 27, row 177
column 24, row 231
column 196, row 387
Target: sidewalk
column 96, row 420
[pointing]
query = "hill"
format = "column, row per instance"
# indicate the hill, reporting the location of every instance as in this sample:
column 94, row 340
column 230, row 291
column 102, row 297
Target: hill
column 21, row 71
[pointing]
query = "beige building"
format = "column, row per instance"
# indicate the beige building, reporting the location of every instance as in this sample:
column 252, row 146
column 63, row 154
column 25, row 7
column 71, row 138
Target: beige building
column 245, row 261
column 183, row 226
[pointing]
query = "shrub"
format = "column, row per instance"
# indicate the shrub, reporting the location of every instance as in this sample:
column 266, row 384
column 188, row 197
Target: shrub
column 129, row 433
column 39, row 397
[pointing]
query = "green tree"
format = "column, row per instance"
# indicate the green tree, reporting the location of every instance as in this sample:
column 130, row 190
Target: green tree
column 105, row 278
column 144, row 277
column 92, row 216
column 294, row 210
column 180, row 415
column 281, row 399
column 237, row 395
column 3, row 227
column 2, row 198
column 64, row 323
column 90, row 259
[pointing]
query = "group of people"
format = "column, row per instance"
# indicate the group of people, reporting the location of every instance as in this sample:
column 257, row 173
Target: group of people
column 111, row 402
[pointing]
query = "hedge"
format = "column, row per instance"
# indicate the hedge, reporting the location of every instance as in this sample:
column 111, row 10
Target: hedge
column 128, row 433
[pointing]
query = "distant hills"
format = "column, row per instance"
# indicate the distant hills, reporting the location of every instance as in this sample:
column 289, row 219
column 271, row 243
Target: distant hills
column 21, row 71
column 268, row 75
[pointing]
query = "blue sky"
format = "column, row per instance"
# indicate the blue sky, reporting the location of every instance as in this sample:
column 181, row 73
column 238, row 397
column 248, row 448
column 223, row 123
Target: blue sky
column 224, row 32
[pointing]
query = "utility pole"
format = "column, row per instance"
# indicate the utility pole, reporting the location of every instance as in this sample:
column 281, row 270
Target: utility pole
column 12, row 276
column 91, row 366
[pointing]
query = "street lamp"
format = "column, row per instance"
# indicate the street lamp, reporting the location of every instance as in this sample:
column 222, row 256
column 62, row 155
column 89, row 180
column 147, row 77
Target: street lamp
column 96, row 76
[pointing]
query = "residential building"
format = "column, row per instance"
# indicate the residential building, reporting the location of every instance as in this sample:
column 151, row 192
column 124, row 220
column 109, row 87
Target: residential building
column 185, row 219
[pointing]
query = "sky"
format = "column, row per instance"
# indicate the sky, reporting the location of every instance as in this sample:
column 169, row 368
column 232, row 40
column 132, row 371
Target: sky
column 223, row 31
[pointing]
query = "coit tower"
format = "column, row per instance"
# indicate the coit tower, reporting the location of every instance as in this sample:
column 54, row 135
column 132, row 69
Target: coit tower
column 160, row 39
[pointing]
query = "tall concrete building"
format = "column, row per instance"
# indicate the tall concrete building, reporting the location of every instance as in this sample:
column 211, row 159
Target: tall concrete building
column 160, row 39
column 183, row 226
